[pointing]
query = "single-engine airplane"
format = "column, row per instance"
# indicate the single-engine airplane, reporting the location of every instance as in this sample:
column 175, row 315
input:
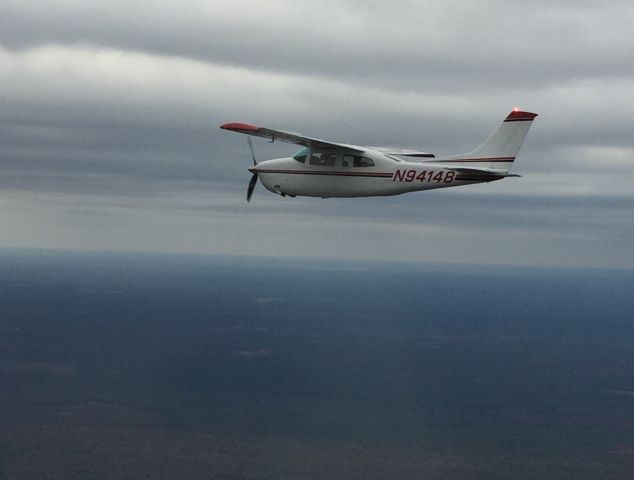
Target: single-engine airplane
column 327, row 169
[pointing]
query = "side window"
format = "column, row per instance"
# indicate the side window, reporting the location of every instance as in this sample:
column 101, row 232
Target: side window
column 323, row 159
column 329, row 159
column 348, row 160
column 363, row 161
column 315, row 158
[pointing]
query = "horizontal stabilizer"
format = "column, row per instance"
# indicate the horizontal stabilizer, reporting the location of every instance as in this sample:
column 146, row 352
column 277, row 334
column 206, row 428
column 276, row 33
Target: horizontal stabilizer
column 482, row 171
column 471, row 174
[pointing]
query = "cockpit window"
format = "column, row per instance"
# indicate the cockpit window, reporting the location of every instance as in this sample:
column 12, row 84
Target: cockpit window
column 362, row 162
column 301, row 155
column 323, row 159
column 357, row 161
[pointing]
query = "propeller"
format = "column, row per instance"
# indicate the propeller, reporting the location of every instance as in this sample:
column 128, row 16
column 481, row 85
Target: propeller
column 254, row 178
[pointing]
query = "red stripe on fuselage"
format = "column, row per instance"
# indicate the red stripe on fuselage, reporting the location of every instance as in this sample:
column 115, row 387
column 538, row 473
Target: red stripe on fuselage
column 332, row 173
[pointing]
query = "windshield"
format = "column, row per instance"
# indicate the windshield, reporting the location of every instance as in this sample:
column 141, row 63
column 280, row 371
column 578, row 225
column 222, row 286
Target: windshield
column 302, row 154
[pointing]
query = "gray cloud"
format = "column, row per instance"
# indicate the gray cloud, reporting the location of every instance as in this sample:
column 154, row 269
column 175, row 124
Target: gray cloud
column 497, row 43
column 493, row 229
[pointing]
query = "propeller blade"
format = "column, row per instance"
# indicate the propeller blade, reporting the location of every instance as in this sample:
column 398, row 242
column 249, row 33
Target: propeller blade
column 254, row 180
column 251, row 148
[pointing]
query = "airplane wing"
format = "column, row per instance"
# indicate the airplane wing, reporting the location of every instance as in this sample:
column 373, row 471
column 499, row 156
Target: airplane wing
column 403, row 152
column 289, row 137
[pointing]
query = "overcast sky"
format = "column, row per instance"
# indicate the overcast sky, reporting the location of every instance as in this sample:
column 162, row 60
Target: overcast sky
column 109, row 115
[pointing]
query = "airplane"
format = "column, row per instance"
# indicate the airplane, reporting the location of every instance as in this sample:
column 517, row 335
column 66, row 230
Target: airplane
column 326, row 169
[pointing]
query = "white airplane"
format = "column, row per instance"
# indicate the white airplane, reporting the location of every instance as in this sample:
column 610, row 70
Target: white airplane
column 327, row 169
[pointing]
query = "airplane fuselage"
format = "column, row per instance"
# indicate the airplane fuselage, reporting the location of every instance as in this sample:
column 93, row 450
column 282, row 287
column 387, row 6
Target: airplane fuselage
column 370, row 174
column 327, row 169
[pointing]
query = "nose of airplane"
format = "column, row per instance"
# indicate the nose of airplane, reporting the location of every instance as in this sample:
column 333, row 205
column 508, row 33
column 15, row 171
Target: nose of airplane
column 260, row 166
column 267, row 165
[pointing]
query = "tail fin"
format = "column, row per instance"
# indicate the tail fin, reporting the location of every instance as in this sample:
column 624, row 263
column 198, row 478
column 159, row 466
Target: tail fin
column 499, row 150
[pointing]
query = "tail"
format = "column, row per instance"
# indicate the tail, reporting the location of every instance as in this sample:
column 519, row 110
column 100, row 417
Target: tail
column 500, row 149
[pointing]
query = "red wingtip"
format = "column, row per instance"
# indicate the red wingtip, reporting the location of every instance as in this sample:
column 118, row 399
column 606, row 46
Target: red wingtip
column 239, row 127
column 519, row 116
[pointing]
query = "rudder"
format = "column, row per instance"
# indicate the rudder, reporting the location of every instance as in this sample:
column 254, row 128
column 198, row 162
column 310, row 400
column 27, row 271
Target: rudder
column 500, row 149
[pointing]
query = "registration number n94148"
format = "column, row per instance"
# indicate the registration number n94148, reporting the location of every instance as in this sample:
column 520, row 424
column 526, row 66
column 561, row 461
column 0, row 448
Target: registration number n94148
column 427, row 176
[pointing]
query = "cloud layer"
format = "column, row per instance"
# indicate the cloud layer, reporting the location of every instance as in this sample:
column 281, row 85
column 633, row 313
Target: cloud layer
column 109, row 114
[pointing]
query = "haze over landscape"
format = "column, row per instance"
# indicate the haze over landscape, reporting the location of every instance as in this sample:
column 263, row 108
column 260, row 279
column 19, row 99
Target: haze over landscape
column 127, row 365
column 153, row 324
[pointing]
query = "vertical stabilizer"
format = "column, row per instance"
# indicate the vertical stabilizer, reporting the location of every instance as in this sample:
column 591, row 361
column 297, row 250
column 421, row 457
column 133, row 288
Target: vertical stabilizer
column 500, row 149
